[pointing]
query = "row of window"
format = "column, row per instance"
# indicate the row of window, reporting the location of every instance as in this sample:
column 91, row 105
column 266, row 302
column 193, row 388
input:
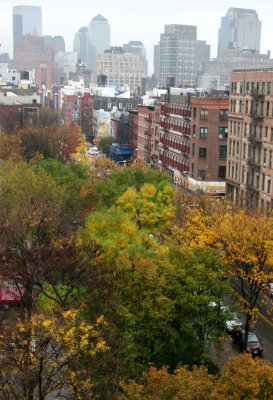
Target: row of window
column 251, row 87
column 202, row 173
column 223, row 132
column 223, row 116
column 203, row 152
column 258, row 131
column 250, row 178
column 252, row 153
column 263, row 108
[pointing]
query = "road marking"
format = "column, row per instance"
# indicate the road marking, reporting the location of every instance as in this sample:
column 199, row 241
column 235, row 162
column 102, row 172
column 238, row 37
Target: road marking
column 258, row 312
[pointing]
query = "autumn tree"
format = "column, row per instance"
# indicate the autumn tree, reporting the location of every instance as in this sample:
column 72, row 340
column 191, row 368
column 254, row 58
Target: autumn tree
column 246, row 239
column 43, row 356
column 30, row 217
column 241, row 378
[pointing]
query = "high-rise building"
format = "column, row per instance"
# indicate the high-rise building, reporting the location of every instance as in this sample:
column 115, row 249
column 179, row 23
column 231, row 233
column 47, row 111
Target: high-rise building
column 27, row 20
column 240, row 28
column 30, row 51
column 121, row 69
column 99, row 38
column 136, row 47
column 157, row 62
column 178, row 54
column 250, row 143
column 81, row 43
column 57, row 42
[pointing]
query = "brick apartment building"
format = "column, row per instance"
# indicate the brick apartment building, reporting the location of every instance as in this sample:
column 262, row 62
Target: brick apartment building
column 209, row 132
column 133, row 129
column 250, row 145
column 174, row 146
column 86, row 117
column 144, row 132
column 10, row 115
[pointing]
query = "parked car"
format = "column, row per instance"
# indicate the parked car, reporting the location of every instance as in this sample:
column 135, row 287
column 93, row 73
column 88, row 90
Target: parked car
column 254, row 345
column 233, row 320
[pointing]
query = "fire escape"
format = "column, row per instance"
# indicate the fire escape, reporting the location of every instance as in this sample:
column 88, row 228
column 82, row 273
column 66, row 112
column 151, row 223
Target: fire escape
column 255, row 141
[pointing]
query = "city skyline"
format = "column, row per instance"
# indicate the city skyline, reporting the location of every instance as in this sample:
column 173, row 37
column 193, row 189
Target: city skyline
column 145, row 22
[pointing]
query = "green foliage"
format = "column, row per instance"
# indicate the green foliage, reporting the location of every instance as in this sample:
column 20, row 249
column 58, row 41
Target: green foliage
column 113, row 186
column 71, row 177
column 104, row 144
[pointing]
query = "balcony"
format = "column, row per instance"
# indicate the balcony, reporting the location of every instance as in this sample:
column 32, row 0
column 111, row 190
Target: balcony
column 254, row 139
column 253, row 164
column 256, row 95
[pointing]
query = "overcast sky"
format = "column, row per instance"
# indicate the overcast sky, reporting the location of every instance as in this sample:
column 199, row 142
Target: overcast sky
column 136, row 19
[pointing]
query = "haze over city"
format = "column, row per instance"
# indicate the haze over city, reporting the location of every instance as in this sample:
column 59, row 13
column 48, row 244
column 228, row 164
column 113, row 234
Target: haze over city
column 139, row 21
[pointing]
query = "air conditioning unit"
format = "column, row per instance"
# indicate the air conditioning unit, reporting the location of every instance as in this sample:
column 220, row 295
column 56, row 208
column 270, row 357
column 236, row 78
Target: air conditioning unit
column 264, row 139
column 264, row 164
column 257, row 174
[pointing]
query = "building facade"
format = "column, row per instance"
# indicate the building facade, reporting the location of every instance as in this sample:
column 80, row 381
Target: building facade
column 30, row 51
column 121, row 69
column 144, row 132
column 99, row 38
column 174, row 145
column 240, row 28
column 209, row 133
column 178, row 54
column 136, row 47
column 250, row 144
column 27, row 20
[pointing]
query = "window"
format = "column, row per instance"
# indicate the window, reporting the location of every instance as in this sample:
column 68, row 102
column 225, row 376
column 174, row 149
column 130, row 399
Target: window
column 268, row 87
column 263, row 183
column 265, row 156
column 193, row 130
column 192, row 168
column 203, row 114
column 194, row 112
column 203, row 133
column 202, row 174
column 223, row 115
column 269, row 185
column 193, row 146
column 222, row 173
column 223, row 132
column 246, row 106
column 202, row 152
column 222, row 152
column 270, row 159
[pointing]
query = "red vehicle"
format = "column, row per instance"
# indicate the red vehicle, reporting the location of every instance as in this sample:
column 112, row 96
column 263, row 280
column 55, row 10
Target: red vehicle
column 10, row 295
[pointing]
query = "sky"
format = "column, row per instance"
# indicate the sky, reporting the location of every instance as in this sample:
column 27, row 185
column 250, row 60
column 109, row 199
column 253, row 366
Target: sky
column 136, row 19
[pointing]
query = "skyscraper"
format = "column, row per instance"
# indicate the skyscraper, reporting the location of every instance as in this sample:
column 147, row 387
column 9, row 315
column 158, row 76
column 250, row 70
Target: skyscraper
column 81, row 43
column 240, row 28
column 177, row 54
column 99, row 38
column 26, row 20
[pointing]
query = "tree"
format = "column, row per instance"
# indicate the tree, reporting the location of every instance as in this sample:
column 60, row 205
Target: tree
column 104, row 145
column 72, row 143
column 242, row 378
column 246, row 239
column 43, row 356
column 30, row 217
